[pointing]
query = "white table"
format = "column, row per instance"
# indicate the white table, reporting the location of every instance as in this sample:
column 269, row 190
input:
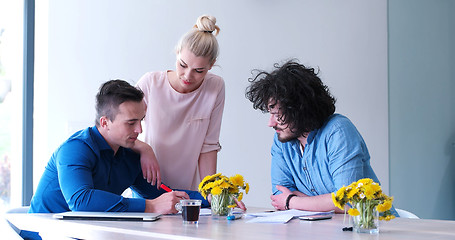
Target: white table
column 171, row 227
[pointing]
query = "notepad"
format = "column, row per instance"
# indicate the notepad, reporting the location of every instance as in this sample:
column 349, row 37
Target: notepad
column 108, row 216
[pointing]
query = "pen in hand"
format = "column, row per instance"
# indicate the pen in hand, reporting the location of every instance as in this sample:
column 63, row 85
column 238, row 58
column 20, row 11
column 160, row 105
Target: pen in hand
column 165, row 188
column 168, row 189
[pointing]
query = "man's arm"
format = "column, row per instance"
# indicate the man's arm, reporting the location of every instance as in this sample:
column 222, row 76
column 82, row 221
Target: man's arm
column 319, row 203
column 148, row 191
column 347, row 155
column 149, row 164
column 283, row 184
column 75, row 163
column 207, row 164
column 348, row 162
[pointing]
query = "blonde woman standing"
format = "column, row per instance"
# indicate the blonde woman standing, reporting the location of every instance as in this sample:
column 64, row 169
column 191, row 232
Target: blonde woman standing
column 184, row 112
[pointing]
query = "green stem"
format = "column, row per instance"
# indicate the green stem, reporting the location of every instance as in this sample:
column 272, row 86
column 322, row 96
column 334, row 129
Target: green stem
column 366, row 218
column 220, row 203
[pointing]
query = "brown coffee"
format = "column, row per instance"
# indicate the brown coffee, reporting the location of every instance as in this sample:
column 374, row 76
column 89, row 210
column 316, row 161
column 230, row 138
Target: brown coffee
column 190, row 213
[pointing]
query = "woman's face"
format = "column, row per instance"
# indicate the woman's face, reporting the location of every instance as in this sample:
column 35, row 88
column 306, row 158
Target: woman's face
column 191, row 71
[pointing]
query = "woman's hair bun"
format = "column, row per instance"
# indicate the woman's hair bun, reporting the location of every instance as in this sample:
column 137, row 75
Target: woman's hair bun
column 206, row 23
column 201, row 39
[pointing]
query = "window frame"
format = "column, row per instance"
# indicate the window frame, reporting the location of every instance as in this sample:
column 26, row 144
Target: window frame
column 28, row 100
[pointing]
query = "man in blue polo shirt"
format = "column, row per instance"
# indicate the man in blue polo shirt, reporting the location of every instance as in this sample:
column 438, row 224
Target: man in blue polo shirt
column 315, row 151
column 90, row 170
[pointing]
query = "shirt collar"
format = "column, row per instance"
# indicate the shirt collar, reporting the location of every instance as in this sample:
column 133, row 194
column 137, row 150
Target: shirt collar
column 102, row 143
column 311, row 136
column 313, row 133
column 296, row 143
column 99, row 139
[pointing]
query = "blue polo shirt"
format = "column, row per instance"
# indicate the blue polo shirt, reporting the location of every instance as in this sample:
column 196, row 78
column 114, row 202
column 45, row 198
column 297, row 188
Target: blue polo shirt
column 335, row 155
column 83, row 174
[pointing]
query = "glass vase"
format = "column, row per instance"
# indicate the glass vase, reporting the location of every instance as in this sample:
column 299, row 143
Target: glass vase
column 368, row 219
column 219, row 205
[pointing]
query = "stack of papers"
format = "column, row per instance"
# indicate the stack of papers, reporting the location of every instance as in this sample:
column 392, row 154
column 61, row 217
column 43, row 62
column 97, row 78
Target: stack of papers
column 205, row 212
column 280, row 216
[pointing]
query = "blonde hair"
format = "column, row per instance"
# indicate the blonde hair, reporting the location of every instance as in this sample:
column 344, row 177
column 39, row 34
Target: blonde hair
column 201, row 39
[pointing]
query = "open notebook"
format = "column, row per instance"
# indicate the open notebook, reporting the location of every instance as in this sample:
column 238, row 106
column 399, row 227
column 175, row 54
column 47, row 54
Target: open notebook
column 110, row 216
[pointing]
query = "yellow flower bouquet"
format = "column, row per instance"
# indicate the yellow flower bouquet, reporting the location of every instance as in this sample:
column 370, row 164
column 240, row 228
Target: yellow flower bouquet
column 366, row 200
column 223, row 190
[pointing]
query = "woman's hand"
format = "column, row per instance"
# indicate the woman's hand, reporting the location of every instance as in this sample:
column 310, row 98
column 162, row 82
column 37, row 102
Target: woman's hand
column 149, row 164
column 240, row 204
column 150, row 168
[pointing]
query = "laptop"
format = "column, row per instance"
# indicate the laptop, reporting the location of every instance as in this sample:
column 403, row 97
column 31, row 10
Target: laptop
column 108, row 216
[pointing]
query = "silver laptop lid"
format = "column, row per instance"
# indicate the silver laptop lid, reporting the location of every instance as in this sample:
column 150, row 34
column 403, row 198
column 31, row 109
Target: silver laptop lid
column 115, row 216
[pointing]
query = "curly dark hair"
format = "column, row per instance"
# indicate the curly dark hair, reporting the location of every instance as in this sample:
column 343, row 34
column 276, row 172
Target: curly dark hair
column 113, row 93
column 305, row 102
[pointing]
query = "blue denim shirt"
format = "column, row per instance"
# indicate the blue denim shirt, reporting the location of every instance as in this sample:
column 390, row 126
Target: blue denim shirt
column 335, row 155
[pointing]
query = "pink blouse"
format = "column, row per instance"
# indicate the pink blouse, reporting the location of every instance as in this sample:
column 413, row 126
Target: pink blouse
column 181, row 126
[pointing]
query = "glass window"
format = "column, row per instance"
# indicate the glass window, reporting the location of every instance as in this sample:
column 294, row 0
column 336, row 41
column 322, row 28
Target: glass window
column 11, row 65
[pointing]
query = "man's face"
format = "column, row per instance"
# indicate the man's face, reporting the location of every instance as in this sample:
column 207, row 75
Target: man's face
column 126, row 127
column 282, row 129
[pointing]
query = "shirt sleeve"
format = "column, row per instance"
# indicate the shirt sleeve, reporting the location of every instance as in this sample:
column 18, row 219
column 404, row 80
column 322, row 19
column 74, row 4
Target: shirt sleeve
column 145, row 189
column 212, row 138
column 75, row 162
column 279, row 169
column 347, row 155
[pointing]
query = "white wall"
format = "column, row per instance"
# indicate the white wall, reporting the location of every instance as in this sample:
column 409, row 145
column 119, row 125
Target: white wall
column 90, row 42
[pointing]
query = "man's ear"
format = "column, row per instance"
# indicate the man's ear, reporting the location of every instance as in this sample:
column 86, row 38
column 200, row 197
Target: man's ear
column 104, row 122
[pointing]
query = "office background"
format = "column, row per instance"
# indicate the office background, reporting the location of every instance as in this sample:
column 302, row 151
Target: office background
column 389, row 64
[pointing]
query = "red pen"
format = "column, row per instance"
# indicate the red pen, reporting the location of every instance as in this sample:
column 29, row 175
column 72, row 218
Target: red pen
column 166, row 188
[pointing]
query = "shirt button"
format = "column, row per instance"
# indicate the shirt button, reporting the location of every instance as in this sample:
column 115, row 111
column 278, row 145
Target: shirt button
column 313, row 190
column 304, row 168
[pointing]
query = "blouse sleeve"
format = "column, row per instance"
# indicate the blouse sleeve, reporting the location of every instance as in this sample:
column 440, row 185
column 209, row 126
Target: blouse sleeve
column 211, row 142
column 143, row 84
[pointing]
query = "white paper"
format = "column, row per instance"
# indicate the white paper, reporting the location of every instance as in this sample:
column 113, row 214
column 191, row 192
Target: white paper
column 205, row 212
column 280, row 216
column 284, row 218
